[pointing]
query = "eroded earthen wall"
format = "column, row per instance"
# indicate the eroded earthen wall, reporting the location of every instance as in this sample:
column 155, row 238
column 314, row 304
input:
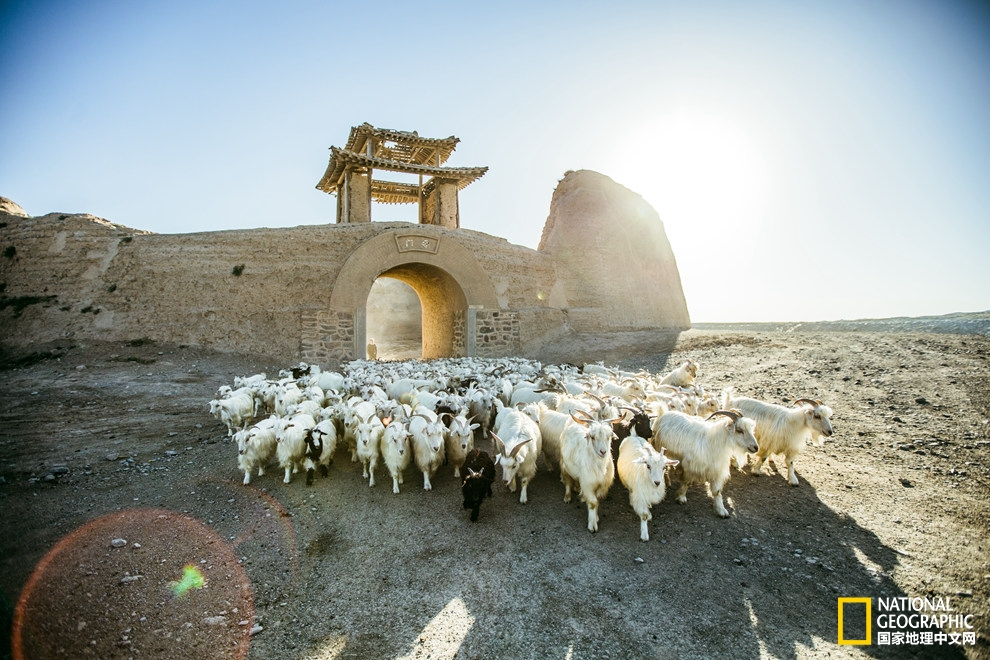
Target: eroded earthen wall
column 268, row 291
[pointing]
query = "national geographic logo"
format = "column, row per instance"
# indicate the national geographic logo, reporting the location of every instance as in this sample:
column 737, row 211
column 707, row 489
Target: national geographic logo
column 859, row 622
column 903, row 621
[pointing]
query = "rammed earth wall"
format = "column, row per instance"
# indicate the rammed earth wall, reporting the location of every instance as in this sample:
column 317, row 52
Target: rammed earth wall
column 300, row 293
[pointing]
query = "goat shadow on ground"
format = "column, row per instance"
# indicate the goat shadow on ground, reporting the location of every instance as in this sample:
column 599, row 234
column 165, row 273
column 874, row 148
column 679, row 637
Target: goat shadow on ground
column 796, row 557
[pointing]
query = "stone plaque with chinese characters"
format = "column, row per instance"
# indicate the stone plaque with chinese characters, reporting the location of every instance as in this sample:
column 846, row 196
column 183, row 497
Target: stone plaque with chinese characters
column 417, row 243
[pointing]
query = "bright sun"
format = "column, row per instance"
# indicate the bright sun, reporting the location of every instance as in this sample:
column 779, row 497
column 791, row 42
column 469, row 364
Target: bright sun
column 707, row 176
column 695, row 167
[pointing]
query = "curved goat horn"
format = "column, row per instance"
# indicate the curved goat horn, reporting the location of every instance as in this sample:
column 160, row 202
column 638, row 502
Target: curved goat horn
column 814, row 402
column 515, row 450
column 499, row 445
column 582, row 422
column 596, row 398
column 734, row 415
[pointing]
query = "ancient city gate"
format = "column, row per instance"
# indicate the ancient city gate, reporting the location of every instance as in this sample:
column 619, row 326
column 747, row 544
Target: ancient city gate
column 451, row 286
column 455, row 292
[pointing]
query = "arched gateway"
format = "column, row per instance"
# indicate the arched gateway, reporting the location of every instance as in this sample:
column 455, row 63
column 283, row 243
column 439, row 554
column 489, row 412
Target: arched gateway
column 602, row 282
column 452, row 287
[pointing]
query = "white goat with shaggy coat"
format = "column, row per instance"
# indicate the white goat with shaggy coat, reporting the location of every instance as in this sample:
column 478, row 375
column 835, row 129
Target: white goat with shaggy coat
column 783, row 430
column 552, row 425
column 368, row 439
column 586, row 461
column 682, row 376
column 641, row 470
column 427, row 442
column 460, row 440
column 256, row 447
column 236, row 410
column 519, row 444
column 290, row 434
column 704, row 448
column 396, row 452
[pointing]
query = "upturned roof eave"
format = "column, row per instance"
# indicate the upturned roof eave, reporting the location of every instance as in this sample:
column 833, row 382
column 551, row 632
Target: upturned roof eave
column 341, row 158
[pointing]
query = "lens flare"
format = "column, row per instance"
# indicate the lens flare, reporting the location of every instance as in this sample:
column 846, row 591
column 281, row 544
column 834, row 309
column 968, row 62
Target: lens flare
column 192, row 578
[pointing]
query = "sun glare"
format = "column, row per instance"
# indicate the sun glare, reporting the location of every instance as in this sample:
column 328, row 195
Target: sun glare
column 695, row 167
column 707, row 176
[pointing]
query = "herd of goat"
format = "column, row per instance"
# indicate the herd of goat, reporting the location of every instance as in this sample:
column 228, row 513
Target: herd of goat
column 588, row 422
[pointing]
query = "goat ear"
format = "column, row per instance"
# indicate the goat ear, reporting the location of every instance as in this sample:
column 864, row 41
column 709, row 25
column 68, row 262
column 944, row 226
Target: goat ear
column 671, row 462
column 640, row 460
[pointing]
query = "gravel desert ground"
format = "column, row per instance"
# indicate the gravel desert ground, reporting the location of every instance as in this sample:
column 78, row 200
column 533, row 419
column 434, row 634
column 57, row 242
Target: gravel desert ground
column 114, row 479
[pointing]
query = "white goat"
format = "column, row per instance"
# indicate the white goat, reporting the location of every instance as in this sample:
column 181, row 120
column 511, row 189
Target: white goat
column 427, row 442
column 704, row 447
column 518, row 448
column 480, row 403
column 782, row 430
column 460, row 440
column 305, row 406
column 641, row 470
column 396, row 452
column 290, row 434
column 416, row 398
column 236, row 411
column 249, row 381
column 682, row 376
column 286, row 396
column 329, row 381
column 404, row 386
column 552, row 425
column 586, row 461
column 256, row 447
column 351, row 412
column 630, row 390
column 368, row 439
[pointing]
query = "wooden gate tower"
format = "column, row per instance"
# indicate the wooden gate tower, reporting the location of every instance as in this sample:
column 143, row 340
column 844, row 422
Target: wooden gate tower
column 350, row 175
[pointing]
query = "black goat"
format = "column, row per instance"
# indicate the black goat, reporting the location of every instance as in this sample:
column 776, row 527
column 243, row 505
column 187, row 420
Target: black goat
column 479, row 471
column 640, row 422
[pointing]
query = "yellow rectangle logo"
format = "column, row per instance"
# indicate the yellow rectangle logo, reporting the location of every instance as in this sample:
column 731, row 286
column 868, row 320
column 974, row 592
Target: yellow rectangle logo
column 869, row 621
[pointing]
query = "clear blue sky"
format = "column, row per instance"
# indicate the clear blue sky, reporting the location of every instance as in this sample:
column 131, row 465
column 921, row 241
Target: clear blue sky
column 810, row 160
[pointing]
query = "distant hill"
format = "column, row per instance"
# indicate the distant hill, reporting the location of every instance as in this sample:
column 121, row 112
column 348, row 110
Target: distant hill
column 969, row 323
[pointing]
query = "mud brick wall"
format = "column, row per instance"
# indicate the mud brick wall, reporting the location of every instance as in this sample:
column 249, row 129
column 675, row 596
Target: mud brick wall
column 301, row 292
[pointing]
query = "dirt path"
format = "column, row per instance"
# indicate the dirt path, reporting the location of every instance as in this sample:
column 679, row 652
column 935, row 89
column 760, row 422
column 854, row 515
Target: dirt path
column 896, row 504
